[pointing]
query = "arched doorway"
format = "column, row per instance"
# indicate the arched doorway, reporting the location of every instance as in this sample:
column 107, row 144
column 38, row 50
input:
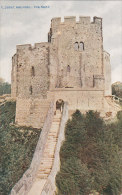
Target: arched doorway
column 59, row 105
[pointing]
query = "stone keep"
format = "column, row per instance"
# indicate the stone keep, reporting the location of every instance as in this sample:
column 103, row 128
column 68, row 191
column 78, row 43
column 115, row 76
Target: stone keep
column 71, row 66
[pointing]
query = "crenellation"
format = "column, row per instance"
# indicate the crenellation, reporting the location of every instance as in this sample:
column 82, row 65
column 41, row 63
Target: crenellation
column 42, row 44
column 23, row 47
column 84, row 20
column 97, row 20
column 55, row 22
column 69, row 19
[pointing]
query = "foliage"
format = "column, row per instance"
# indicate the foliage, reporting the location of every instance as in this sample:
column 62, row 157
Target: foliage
column 5, row 87
column 117, row 89
column 17, row 147
column 90, row 156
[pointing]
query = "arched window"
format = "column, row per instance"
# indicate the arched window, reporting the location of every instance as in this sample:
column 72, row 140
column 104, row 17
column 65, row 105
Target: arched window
column 32, row 71
column 31, row 90
column 68, row 68
column 81, row 46
column 76, row 46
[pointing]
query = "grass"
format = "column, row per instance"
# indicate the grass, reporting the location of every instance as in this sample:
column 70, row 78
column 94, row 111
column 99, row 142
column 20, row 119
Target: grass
column 17, row 147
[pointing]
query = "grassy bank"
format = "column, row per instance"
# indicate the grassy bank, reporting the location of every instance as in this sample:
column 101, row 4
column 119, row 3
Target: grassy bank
column 17, row 147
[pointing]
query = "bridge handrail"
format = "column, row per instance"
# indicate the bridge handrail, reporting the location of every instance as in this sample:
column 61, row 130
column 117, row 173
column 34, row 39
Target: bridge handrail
column 117, row 97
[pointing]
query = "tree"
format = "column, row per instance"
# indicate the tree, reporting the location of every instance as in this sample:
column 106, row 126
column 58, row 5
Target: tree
column 5, row 87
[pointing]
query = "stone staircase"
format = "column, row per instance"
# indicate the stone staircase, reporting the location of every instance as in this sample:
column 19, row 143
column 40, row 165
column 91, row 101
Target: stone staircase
column 112, row 103
column 48, row 158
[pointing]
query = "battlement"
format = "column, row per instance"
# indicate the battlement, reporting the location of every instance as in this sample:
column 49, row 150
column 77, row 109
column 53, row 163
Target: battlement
column 72, row 19
column 97, row 20
column 31, row 47
column 25, row 46
column 69, row 19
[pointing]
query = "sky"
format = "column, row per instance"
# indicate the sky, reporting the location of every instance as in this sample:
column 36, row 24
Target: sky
column 31, row 25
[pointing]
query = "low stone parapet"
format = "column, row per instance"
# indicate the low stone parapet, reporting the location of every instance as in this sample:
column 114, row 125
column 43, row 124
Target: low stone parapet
column 24, row 184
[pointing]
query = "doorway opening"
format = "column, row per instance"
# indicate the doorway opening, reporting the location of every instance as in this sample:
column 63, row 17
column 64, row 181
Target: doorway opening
column 59, row 105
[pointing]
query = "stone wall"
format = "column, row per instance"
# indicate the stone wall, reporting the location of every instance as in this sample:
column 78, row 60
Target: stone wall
column 31, row 111
column 83, row 100
column 14, row 77
column 24, row 184
column 107, row 73
column 50, row 186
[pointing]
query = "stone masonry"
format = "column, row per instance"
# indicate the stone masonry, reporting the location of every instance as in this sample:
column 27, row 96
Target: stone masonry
column 72, row 66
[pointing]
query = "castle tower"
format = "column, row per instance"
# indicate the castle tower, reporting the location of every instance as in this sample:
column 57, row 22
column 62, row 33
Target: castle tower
column 71, row 66
column 77, row 48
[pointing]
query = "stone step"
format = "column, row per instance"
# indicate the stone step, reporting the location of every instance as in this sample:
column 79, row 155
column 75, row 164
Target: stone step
column 50, row 155
column 50, row 143
column 57, row 115
column 53, row 132
column 50, row 146
column 50, row 140
column 47, row 161
column 54, row 127
column 52, row 136
column 42, row 176
column 49, row 149
column 57, row 120
column 45, row 166
column 45, row 169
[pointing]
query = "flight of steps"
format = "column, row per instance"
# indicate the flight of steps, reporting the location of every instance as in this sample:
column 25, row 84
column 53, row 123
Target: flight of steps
column 112, row 103
column 48, row 158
